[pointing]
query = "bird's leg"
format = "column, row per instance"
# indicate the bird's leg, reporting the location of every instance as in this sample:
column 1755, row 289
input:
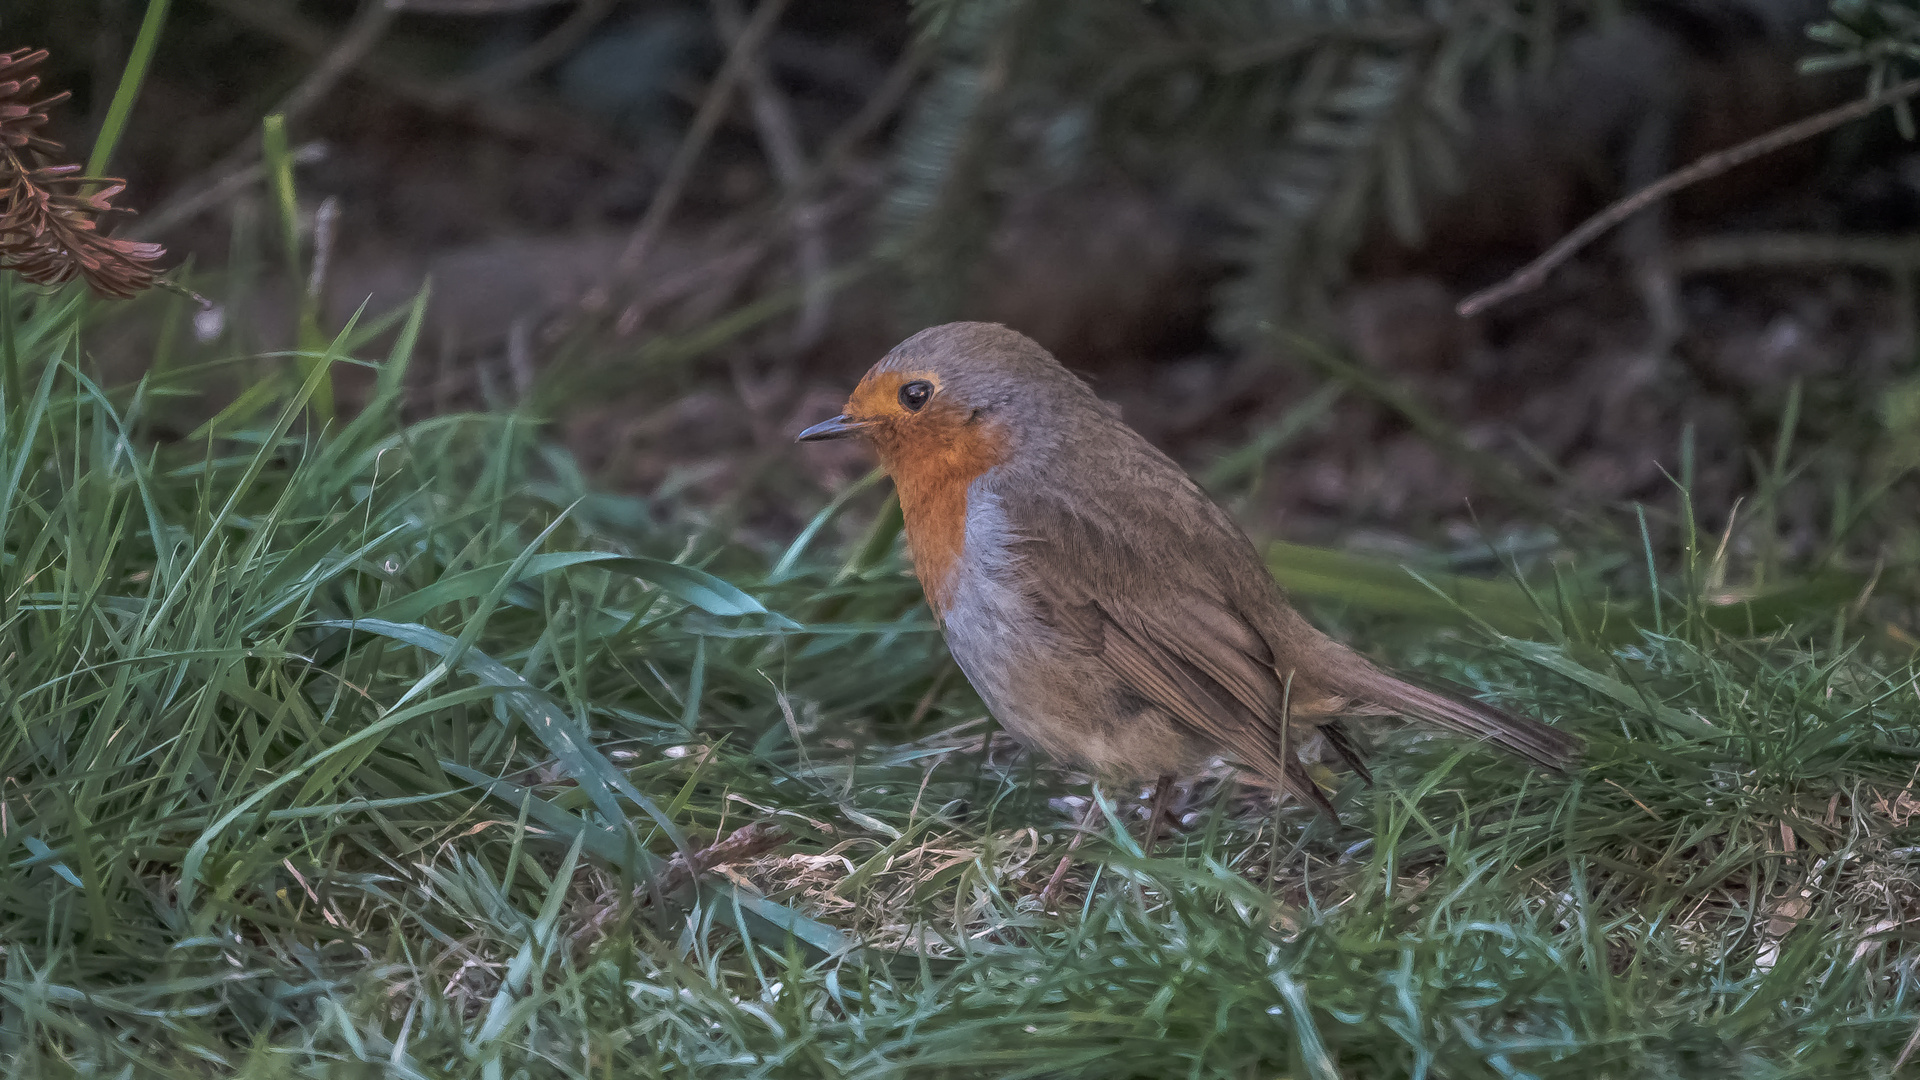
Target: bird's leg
column 1088, row 819
column 1162, row 795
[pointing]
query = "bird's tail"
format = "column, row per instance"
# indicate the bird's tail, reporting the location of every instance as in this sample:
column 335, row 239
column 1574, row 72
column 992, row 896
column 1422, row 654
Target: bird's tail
column 1377, row 691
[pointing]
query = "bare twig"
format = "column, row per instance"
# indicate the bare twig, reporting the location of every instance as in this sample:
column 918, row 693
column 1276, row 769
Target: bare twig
column 762, row 227
column 781, row 143
column 537, row 57
column 837, row 156
column 369, row 25
column 190, row 204
column 745, row 242
column 743, row 844
column 705, row 121
column 282, row 23
column 1534, row 274
column 1089, row 818
column 878, row 109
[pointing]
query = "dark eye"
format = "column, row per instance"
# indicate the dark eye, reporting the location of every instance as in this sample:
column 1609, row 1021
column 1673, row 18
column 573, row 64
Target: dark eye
column 915, row 394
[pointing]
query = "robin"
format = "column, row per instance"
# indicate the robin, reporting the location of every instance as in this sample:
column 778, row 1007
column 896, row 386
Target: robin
column 1106, row 609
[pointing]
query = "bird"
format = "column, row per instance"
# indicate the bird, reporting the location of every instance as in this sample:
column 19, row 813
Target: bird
column 1108, row 611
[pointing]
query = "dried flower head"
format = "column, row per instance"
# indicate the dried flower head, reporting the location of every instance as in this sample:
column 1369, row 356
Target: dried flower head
column 49, row 212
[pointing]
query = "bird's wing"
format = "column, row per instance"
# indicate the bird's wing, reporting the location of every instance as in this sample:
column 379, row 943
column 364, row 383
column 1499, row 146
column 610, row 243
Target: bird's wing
column 1154, row 601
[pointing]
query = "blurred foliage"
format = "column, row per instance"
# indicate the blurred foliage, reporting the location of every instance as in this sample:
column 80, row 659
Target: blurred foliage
column 350, row 748
column 1303, row 121
column 1881, row 36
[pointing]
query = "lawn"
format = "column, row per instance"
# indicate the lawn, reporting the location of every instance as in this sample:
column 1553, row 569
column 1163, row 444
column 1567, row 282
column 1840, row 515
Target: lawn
column 372, row 746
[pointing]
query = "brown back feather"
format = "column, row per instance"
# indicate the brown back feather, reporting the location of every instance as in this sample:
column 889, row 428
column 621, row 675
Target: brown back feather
column 1147, row 572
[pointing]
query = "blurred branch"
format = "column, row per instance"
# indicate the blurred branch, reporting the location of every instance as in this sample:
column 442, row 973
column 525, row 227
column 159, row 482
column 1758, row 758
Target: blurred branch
column 353, row 52
column 879, row 108
column 189, row 204
column 760, row 229
column 779, row 139
column 749, row 239
column 369, row 25
column 283, row 23
column 537, row 57
column 836, row 157
column 705, row 121
column 1534, row 274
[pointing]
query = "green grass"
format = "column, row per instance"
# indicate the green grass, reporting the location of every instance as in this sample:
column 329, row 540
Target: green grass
column 351, row 746
column 350, row 751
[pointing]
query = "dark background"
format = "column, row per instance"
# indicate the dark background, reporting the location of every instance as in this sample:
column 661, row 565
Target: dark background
column 1215, row 212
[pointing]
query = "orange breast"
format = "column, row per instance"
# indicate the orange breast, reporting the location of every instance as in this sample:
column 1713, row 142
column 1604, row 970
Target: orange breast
column 932, row 469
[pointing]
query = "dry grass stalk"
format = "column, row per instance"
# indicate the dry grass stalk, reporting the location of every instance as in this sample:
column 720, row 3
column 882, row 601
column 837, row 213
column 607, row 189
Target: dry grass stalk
column 745, row 844
column 49, row 212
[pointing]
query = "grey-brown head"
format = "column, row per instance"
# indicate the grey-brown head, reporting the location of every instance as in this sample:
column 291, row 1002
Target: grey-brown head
column 971, row 389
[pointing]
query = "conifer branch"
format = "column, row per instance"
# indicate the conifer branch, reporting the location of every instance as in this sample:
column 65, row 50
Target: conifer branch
column 50, row 212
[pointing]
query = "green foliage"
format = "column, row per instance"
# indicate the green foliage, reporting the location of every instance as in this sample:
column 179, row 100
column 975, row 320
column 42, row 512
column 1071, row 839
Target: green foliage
column 1882, row 37
column 351, row 747
column 228, row 693
column 1302, row 121
column 342, row 750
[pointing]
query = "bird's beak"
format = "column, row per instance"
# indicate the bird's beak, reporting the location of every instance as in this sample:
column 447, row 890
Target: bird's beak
column 837, row 428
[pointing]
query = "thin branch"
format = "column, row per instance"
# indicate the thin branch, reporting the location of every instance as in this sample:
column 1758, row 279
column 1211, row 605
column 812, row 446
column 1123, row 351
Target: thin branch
column 743, row 844
column 705, row 121
column 369, row 25
column 766, row 223
column 1534, row 274
column 780, row 140
column 190, row 204
column 877, row 110
column 836, row 156
column 535, row 58
column 282, row 23
column 763, row 223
